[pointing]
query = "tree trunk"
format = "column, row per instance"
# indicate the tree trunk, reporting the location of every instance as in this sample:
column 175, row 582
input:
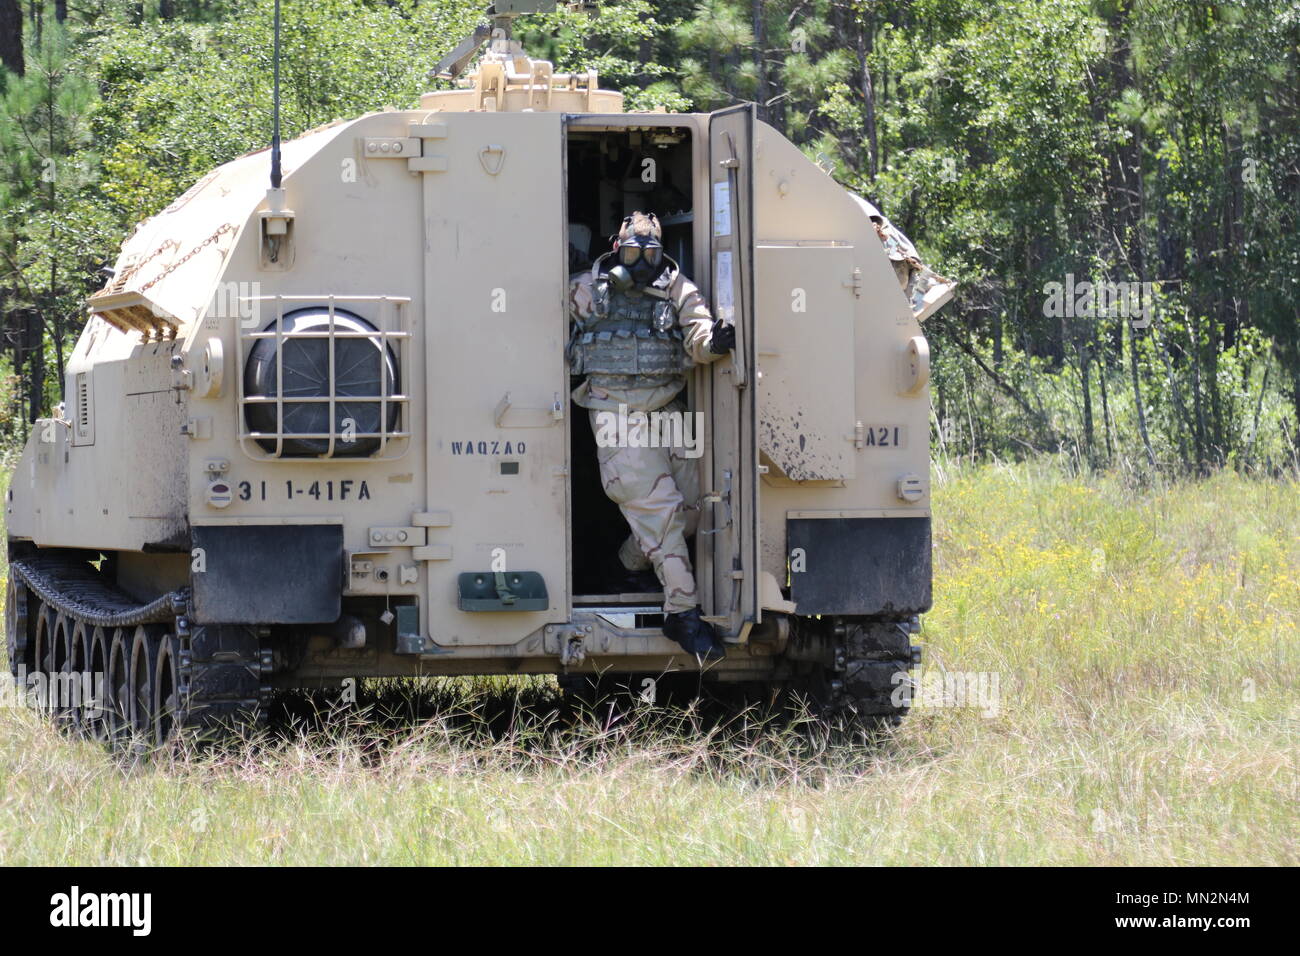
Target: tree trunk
column 35, row 342
column 864, row 34
column 1137, row 394
column 960, row 339
column 1162, row 344
column 11, row 36
column 1131, row 212
column 1105, row 404
column 1085, row 376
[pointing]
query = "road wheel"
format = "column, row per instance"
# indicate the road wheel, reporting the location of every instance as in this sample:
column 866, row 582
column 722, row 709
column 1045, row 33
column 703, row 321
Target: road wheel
column 43, row 657
column 169, row 711
column 17, row 599
column 74, row 682
column 60, row 689
column 96, row 718
column 117, row 719
column 145, row 644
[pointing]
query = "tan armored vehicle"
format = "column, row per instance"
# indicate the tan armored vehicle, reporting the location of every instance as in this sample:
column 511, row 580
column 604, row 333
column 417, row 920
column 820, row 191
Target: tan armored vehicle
column 323, row 431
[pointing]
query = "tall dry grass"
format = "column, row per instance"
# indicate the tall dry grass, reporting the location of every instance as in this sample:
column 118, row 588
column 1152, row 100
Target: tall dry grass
column 1144, row 642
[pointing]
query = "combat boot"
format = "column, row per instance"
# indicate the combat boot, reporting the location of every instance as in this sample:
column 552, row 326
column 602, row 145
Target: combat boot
column 696, row 636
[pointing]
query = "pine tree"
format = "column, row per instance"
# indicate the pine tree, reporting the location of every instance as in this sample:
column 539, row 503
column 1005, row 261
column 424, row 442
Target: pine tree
column 44, row 169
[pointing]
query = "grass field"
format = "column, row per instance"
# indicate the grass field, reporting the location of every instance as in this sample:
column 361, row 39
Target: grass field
column 1145, row 644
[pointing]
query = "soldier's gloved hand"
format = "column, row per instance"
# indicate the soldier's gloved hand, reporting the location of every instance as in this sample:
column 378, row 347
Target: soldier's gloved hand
column 723, row 339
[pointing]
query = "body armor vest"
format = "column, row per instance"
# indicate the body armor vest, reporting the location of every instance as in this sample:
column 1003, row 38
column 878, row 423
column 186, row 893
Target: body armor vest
column 632, row 339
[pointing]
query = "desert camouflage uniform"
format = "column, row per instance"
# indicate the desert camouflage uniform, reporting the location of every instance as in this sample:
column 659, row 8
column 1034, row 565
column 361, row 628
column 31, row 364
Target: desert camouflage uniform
column 916, row 278
column 657, row 489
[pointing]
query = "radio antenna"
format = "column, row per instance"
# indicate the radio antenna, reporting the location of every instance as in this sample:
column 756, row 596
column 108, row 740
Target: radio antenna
column 275, row 106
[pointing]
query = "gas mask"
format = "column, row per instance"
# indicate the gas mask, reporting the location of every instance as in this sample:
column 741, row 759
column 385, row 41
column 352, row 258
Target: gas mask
column 640, row 262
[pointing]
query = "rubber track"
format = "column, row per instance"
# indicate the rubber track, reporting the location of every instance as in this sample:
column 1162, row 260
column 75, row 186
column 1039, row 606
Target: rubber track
column 874, row 654
column 80, row 591
column 222, row 668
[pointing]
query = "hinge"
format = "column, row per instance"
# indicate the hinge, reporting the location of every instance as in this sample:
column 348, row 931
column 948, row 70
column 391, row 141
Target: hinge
column 182, row 378
column 432, row 551
column 854, row 282
column 428, row 164
column 431, row 519
column 429, row 130
column 425, row 161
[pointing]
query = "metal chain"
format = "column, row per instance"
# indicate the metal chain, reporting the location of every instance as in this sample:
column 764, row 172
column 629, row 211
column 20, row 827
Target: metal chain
column 228, row 227
column 119, row 281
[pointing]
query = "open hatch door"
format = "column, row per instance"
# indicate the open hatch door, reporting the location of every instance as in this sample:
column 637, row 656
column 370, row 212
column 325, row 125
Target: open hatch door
column 731, row 522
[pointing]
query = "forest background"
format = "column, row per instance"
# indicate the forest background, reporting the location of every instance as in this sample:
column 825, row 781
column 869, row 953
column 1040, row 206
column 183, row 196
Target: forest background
column 1038, row 151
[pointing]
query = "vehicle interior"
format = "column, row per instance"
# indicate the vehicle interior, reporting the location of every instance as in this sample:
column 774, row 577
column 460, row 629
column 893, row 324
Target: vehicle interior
column 612, row 173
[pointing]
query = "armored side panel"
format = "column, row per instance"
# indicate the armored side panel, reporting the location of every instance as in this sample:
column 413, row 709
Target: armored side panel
column 113, row 474
column 843, row 399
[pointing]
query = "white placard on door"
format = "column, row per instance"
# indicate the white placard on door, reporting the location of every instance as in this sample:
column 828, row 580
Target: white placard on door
column 723, row 288
column 722, row 208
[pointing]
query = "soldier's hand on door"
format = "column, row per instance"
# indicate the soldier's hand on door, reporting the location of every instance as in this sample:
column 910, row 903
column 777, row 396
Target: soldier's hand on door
column 723, row 339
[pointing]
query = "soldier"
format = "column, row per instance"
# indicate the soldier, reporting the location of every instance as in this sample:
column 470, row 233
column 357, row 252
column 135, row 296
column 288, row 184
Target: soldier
column 639, row 325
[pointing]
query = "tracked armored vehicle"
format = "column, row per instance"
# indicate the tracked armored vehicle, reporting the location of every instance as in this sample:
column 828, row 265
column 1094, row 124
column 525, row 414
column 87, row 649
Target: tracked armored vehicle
column 323, row 431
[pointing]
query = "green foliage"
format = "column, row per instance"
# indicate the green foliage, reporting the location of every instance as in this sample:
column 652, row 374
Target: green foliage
column 1016, row 143
column 53, row 228
column 180, row 98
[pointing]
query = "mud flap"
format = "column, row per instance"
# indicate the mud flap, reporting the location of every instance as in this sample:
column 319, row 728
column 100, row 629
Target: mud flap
column 267, row 574
column 861, row 566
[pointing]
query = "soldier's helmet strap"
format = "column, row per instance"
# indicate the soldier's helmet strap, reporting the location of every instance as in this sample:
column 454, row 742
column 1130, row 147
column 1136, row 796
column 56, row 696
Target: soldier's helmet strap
column 595, row 266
